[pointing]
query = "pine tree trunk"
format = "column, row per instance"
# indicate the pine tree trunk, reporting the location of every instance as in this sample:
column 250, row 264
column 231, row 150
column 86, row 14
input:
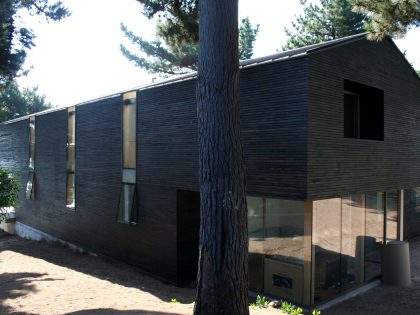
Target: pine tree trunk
column 223, row 264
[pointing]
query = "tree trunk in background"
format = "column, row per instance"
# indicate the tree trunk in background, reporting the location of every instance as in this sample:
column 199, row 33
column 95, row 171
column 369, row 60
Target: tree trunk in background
column 223, row 264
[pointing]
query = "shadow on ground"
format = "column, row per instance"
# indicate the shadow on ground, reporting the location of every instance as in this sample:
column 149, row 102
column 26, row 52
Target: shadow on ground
column 98, row 266
column 14, row 285
column 107, row 311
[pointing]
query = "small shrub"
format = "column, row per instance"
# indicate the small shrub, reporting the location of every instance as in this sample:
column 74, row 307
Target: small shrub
column 261, row 301
column 9, row 188
column 175, row 301
column 315, row 312
column 291, row 309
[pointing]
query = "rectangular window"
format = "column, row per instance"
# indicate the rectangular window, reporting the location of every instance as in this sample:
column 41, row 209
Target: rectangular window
column 363, row 111
column 30, row 185
column 276, row 247
column 127, row 207
column 129, row 130
column 71, row 161
column 127, row 210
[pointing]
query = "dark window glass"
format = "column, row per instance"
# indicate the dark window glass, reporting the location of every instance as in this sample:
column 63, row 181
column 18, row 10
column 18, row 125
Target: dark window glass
column 127, row 209
column 256, row 242
column 351, row 116
column 363, row 111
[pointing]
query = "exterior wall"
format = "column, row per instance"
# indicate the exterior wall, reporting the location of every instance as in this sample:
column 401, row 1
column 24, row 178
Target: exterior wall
column 14, row 151
column 340, row 166
column 273, row 115
column 274, row 102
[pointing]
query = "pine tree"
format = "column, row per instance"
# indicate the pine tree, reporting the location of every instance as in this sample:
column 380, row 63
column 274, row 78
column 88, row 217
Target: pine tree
column 15, row 38
column 389, row 17
column 330, row 20
column 176, row 49
column 16, row 102
column 222, row 280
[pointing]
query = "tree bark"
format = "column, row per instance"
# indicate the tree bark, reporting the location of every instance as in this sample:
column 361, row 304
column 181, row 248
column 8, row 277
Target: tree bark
column 222, row 286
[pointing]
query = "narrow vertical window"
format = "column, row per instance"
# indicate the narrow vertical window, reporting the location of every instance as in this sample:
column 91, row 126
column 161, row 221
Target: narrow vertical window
column 71, row 162
column 30, row 186
column 129, row 130
column 127, row 209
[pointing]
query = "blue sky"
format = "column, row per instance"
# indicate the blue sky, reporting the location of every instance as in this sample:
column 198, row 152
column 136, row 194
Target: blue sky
column 79, row 58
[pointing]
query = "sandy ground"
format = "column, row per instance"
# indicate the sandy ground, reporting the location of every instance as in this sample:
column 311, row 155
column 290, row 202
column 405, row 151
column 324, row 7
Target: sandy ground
column 45, row 278
column 387, row 299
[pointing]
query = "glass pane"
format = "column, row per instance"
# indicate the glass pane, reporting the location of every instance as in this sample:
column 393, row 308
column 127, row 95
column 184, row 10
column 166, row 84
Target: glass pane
column 71, row 200
column 30, row 186
column 352, row 240
column 351, row 116
column 326, row 239
column 283, row 248
column 129, row 136
column 32, row 130
column 70, row 158
column 391, row 216
column 71, row 131
column 284, row 230
column 375, row 215
column 32, row 155
column 256, row 242
column 32, row 143
column 127, row 212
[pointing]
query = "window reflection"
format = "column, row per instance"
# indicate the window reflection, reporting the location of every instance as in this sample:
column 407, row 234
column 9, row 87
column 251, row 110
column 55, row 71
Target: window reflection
column 30, row 185
column 375, row 216
column 276, row 231
column 391, row 216
column 71, row 158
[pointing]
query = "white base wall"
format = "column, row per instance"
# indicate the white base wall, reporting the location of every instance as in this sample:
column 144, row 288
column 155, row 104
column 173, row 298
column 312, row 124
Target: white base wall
column 27, row 232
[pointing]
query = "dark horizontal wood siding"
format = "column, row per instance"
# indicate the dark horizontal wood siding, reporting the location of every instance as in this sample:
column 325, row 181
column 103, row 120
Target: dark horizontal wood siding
column 274, row 103
column 48, row 211
column 339, row 166
column 14, row 151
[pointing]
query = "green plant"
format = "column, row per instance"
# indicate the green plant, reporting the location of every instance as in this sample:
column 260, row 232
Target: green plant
column 261, row 301
column 175, row 301
column 315, row 312
column 291, row 309
column 9, row 188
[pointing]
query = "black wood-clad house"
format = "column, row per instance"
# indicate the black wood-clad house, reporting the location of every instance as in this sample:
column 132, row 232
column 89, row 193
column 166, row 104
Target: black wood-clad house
column 331, row 134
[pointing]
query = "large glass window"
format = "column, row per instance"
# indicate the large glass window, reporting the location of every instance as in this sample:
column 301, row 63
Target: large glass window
column 374, row 238
column 348, row 234
column 71, row 161
column 276, row 247
column 256, row 242
column 326, row 239
column 352, row 240
column 127, row 208
column 30, row 185
column 391, row 216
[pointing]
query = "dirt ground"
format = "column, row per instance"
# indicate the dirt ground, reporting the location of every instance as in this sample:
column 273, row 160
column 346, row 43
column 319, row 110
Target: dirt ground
column 45, row 278
column 386, row 299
